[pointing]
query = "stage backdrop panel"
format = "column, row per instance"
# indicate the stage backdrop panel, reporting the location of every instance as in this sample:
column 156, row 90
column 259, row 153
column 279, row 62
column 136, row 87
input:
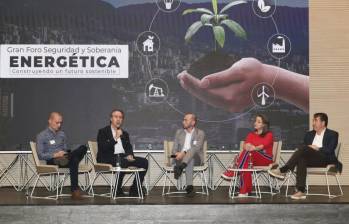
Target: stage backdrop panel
column 329, row 82
column 163, row 40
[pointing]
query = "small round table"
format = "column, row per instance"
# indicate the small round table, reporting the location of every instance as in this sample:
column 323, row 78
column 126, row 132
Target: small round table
column 134, row 171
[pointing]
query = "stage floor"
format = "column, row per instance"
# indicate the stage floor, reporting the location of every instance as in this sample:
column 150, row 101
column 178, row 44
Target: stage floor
column 8, row 196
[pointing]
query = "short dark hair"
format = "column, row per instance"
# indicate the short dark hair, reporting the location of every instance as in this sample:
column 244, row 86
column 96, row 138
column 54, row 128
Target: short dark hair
column 117, row 110
column 322, row 116
column 266, row 123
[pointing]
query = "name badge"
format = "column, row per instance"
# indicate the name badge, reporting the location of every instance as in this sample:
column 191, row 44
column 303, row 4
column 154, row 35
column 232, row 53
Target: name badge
column 195, row 142
column 52, row 142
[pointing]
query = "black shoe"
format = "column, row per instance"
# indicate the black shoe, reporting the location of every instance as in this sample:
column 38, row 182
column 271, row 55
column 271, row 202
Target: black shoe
column 120, row 193
column 190, row 190
column 134, row 192
column 178, row 170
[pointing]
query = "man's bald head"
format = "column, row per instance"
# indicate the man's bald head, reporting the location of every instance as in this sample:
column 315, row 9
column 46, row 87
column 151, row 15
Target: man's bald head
column 54, row 114
column 189, row 120
column 55, row 121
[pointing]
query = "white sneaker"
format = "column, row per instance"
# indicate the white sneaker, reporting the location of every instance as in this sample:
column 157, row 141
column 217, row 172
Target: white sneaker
column 243, row 195
column 277, row 173
column 298, row 196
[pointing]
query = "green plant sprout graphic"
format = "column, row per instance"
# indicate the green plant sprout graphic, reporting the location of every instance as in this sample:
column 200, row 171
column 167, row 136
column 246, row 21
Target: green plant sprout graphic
column 216, row 21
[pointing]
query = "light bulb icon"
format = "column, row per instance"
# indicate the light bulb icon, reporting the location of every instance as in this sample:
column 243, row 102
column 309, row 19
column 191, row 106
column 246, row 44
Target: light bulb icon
column 168, row 4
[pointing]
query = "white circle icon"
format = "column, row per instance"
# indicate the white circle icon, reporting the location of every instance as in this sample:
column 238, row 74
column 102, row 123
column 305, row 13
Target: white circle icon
column 148, row 43
column 156, row 90
column 263, row 95
column 264, row 8
column 168, row 5
column 279, row 46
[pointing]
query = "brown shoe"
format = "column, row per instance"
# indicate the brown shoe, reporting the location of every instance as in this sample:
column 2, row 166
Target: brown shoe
column 277, row 173
column 76, row 195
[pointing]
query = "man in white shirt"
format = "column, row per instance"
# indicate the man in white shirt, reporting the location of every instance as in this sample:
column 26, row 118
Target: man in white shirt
column 318, row 150
column 188, row 149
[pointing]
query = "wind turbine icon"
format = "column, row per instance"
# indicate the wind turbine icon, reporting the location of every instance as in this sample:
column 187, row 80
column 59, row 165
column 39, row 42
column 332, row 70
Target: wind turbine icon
column 264, row 95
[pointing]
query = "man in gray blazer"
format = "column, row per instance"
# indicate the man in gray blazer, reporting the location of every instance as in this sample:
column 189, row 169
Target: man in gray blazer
column 188, row 149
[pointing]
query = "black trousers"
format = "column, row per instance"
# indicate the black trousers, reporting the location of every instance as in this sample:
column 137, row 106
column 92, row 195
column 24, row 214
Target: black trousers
column 74, row 159
column 139, row 162
column 302, row 158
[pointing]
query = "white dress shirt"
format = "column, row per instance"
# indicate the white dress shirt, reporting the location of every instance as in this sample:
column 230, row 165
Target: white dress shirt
column 187, row 142
column 318, row 139
column 118, row 148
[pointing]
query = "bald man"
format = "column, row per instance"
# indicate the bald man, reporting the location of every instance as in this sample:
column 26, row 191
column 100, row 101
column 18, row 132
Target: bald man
column 52, row 147
column 188, row 149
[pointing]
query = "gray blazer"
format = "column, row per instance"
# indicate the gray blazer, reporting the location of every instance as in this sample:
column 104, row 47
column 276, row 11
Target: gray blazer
column 196, row 151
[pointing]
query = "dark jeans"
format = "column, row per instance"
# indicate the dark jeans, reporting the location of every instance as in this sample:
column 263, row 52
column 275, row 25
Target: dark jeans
column 302, row 158
column 139, row 162
column 74, row 159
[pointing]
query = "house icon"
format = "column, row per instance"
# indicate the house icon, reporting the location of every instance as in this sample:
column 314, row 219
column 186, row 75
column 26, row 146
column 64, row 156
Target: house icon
column 148, row 44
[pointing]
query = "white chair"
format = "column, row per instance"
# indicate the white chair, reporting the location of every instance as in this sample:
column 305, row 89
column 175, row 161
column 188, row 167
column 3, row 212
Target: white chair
column 263, row 170
column 43, row 170
column 100, row 170
column 329, row 170
column 168, row 170
column 221, row 179
column 55, row 172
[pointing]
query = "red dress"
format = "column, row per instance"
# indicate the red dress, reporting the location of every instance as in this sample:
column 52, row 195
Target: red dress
column 259, row 158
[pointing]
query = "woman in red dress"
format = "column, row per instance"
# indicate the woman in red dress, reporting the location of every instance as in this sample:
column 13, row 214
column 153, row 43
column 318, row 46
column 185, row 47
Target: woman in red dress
column 257, row 149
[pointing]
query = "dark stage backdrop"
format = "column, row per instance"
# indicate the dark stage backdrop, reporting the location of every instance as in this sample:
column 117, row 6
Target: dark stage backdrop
column 86, row 103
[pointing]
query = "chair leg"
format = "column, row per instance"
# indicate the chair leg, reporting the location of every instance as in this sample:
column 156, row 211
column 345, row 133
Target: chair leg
column 57, row 185
column 112, row 184
column 233, row 185
column 339, row 184
column 206, row 184
column 93, row 180
column 288, row 176
column 51, row 183
column 89, row 182
column 164, row 184
column 63, row 182
column 36, row 182
column 139, row 185
column 328, row 186
column 202, row 182
column 270, row 185
column 117, row 177
column 169, row 186
column 256, row 183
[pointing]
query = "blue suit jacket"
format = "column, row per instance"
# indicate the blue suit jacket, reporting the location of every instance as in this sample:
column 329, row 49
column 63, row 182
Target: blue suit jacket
column 329, row 145
column 329, row 142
